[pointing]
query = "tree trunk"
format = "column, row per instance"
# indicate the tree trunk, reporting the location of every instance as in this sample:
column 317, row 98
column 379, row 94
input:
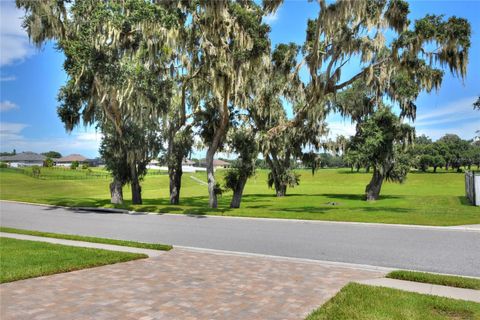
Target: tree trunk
column 218, row 136
column 367, row 169
column 212, row 195
column 281, row 191
column 434, row 169
column 175, row 175
column 116, row 192
column 135, row 185
column 238, row 192
column 275, row 167
column 372, row 191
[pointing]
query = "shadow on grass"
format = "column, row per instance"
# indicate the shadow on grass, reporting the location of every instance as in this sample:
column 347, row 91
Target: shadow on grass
column 356, row 197
column 197, row 206
column 464, row 201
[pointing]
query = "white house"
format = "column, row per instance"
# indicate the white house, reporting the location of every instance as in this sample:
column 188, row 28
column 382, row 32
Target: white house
column 68, row 160
column 24, row 159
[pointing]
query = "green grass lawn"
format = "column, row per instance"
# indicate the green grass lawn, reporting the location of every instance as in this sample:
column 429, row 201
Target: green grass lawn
column 443, row 280
column 124, row 243
column 362, row 302
column 424, row 199
column 22, row 259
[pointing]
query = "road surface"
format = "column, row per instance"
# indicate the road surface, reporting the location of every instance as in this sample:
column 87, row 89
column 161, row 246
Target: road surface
column 428, row 249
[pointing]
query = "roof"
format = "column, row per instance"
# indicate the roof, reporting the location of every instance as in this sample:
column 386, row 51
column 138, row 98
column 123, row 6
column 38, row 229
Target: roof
column 188, row 162
column 217, row 162
column 73, row 157
column 24, row 156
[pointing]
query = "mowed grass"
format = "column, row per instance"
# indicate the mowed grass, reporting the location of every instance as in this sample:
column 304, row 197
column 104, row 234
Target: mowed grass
column 362, row 302
column 424, row 199
column 443, row 280
column 124, row 243
column 22, row 259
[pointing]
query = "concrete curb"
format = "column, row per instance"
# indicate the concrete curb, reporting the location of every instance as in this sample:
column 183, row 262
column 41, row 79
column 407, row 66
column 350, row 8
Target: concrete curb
column 426, row 288
column 466, row 228
column 364, row 267
column 149, row 252
column 359, row 266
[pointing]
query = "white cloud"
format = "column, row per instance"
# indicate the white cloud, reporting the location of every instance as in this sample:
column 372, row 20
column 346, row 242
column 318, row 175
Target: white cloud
column 7, row 105
column 11, row 131
column 452, row 110
column 8, row 78
column 271, row 18
column 14, row 44
column 337, row 128
column 466, row 131
column 456, row 117
column 84, row 142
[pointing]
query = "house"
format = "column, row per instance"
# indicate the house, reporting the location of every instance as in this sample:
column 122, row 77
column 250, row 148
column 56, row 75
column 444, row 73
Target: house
column 188, row 162
column 187, row 166
column 217, row 164
column 24, row 159
column 220, row 164
column 68, row 160
column 96, row 162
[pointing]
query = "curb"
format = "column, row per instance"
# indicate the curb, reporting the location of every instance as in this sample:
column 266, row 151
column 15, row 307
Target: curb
column 464, row 228
column 84, row 244
column 364, row 267
column 425, row 288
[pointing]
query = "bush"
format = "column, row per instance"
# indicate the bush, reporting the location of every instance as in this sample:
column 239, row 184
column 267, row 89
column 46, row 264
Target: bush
column 48, row 163
column 231, row 179
column 218, row 189
column 36, row 171
column 85, row 166
column 74, row 165
column 3, row 164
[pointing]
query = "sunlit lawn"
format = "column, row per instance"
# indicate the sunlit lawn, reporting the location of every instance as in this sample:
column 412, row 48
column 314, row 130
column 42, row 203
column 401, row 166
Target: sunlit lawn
column 363, row 302
column 426, row 198
column 22, row 259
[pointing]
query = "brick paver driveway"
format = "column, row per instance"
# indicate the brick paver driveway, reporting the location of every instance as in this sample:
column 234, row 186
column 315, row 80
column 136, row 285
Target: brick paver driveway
column 181, row 284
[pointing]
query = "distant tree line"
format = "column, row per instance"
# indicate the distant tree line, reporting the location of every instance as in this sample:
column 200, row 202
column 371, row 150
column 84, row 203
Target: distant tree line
column 449, row 152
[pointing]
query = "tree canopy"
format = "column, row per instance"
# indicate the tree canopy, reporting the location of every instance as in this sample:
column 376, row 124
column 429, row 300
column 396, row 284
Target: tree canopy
column 158, row 77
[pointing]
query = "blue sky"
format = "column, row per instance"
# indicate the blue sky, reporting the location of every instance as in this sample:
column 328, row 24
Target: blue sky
column 30, row 79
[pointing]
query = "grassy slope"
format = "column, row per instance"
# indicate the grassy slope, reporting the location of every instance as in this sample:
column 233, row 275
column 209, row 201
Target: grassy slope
column 452, row 281
column 361, row 302
column 22, row 259
column 125, row 243
column 428, row 199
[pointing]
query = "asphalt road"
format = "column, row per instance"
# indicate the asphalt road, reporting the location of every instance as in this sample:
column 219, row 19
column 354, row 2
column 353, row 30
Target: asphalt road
column 427, row 249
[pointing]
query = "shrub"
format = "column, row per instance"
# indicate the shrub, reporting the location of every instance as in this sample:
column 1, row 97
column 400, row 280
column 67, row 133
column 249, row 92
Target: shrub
column 85, row 166
column 74, row 165
column 48, row 163
column 36, row 171
column 3, row 164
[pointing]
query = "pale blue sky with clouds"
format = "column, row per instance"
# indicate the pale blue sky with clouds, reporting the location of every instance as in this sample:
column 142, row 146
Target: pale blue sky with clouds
column 30, row 79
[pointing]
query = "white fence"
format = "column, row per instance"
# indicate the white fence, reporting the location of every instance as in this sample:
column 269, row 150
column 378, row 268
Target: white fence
column 472, row 187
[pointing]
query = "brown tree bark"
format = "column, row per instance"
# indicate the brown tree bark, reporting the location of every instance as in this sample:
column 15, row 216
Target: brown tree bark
column 372, row 191
column 135, row 186
column 238, row 192
column 175, row 174
column 280, row 189
column 116, row 192
column 219, row 135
